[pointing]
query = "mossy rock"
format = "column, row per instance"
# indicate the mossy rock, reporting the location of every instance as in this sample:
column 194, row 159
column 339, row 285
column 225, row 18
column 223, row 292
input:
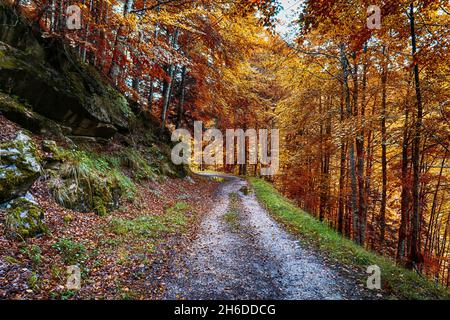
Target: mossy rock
column 86, row 184
column 246, row 190
column 48, row 74
column 67, row 92
column 93, row 194
column 19, row 113
column 24, row 219
column 19, row 167
column 53, row 159
column 167, row 170
column 50, row 146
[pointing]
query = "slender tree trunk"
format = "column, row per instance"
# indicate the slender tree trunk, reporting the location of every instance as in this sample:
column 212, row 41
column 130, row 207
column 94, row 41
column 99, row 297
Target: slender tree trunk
column 402, row 234
column 327, row 160
column 167, row 93
column 428, row 248
column 353, row 178
column 360, row 141
column 442, row 252
column 415, row 226
column 152, row 88
column 368, row 180
column 118, row 43
column 322, row 164
column 341, row 198
column 169, row 84
column 150, row 96
column 182, row 97
column 383, row 151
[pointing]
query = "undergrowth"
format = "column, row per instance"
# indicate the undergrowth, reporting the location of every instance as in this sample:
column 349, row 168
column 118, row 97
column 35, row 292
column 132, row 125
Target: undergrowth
column 72, row 252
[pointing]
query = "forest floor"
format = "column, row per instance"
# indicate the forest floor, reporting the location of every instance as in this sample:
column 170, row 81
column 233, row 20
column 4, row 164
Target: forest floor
column 242, row 253
column 123, row 255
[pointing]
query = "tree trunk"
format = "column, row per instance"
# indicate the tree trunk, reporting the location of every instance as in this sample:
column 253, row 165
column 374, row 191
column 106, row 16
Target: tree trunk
column 383, row 151
column 402, row 233
column 428, row 248
column 168, row 84
column 353, row 179
column 182, row 97
column 341, row 202
column 128, row 5
column 150, row 96
column 415, row 226
column 167, row 93
column 322, row 197
column 360, row 140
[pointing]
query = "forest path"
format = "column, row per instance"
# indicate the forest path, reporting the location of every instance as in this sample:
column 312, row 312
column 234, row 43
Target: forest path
column 242, row 253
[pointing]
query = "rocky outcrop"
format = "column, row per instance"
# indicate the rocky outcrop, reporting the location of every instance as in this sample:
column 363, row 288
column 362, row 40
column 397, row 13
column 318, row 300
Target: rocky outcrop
column 85, row 191
column 30, row 120
column 83, row 182
column 48, row 76
column 24, row 218
column 19, row 167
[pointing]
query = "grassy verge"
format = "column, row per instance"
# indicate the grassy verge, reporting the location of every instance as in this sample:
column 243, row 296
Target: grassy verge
column 399, row 282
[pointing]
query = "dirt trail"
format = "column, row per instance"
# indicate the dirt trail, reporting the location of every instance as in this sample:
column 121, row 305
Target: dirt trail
column 244, row 254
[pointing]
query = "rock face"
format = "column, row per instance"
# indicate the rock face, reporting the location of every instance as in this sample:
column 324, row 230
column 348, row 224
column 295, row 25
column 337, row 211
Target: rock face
column 16, row 33
column 47, row 75
column 24, row 218
column 19, row 167
column 32, row 121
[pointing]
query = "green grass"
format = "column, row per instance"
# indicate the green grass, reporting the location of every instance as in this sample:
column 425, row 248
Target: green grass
column 63, row 295
column 399, row 282
column 98, row 180
column 34, row 281
column 218, row 179
column 152, row 226
column 231, row 217
column 88, row 180
column 100, row 166
column 11, row 260
column 145, row 226
column 176, row 218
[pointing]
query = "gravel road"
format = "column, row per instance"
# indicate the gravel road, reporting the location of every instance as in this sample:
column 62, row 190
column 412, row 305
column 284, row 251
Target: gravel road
column 242, row 253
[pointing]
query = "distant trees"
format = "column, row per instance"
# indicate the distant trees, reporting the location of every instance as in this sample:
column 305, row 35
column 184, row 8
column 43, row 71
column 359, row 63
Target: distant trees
column 384, row 92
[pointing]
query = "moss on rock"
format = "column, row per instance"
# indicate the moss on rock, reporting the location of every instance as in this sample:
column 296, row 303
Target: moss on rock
column 87, row 182
column 24, row 219
column 50, row 146
column 19, row 167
